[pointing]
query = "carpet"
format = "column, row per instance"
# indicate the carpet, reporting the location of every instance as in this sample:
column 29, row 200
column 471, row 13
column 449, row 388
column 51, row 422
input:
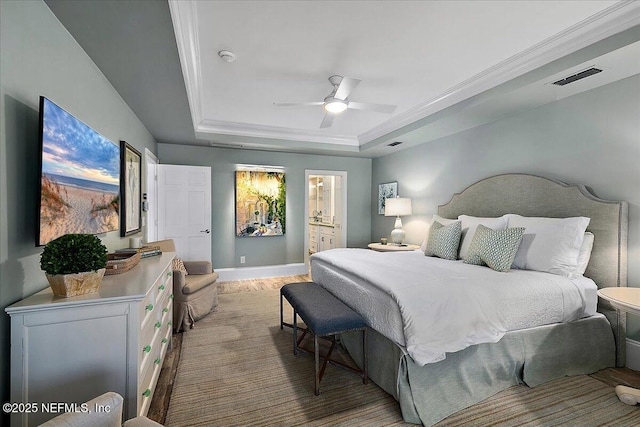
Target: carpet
column 237, row 369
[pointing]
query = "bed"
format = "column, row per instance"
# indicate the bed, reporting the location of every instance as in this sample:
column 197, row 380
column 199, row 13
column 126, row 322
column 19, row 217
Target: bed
column 568, row 332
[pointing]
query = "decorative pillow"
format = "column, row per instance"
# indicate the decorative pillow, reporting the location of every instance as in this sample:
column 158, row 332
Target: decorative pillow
column 495, row 248
column 584, row 255
column 469, row 225
column 444, row 240
column 179, row 265
column 549, row 244
column 443, row 221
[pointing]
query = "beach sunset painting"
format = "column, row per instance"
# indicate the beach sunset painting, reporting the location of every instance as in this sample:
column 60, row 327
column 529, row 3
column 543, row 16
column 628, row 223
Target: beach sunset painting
column 80, row 177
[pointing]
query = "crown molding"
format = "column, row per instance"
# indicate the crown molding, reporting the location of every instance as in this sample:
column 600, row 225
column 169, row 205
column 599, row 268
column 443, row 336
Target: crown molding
column 608, row 22
column 272, row 132
column 185, row 26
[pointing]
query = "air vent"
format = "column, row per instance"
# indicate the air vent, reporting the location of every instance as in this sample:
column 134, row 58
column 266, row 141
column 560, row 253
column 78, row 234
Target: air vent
column 579, row 76
column 393, row 144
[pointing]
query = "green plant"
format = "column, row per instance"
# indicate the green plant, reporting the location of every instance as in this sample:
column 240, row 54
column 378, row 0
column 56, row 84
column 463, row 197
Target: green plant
column 73, row 253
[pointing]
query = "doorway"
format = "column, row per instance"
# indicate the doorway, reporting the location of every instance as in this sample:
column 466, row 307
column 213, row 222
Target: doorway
column 325, row 211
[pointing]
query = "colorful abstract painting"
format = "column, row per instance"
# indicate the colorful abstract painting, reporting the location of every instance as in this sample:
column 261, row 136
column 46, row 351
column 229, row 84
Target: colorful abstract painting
column 260, row 203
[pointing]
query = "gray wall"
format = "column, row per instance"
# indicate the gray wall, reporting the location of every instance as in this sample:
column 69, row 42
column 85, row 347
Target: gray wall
column 39, row 57
column 226, row 247
column 591, row 138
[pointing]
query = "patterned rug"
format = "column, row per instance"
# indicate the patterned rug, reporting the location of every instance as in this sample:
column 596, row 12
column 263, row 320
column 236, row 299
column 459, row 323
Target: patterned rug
column 237, row 369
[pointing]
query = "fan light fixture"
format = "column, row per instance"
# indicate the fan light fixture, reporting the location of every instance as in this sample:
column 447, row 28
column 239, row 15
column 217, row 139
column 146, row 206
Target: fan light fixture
column 335, row 105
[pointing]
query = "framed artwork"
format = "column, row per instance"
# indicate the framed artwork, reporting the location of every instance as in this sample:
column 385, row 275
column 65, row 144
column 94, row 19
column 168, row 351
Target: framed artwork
column 260, row 203
column 386, row 191
column 130, row 191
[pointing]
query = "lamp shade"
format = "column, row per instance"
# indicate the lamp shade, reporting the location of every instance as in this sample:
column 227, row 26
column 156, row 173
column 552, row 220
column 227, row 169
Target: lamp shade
column 397, row 207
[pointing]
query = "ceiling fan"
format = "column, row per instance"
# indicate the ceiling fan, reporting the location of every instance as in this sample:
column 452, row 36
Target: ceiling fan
column 337, row 101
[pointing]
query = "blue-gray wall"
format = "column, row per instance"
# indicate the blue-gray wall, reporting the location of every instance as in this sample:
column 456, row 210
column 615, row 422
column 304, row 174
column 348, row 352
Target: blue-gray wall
column 39, row 57
column 592, row 138
column 226, row 247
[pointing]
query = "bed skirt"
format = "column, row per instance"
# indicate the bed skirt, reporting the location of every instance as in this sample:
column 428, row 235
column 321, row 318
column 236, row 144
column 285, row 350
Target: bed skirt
column 430, row 393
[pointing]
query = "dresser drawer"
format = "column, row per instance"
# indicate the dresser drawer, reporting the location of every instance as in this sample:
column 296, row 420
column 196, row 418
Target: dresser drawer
column 148, row 309
column 328, row 231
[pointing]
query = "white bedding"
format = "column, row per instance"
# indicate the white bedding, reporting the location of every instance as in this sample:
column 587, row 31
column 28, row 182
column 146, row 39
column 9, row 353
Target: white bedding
column 431, row 306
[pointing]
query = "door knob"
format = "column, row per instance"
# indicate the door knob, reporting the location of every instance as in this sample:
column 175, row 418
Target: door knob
column 205, row 231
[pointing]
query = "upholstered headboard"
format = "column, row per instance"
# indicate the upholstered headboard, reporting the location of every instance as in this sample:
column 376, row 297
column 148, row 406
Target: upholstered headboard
column 531, row 195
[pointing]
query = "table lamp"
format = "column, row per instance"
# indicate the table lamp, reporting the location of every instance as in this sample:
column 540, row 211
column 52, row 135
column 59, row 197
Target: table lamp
column 397, row 207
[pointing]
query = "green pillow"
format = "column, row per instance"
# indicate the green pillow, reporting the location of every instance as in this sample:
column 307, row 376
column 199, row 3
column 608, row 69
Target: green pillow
column 495, row 248
column 444, row 240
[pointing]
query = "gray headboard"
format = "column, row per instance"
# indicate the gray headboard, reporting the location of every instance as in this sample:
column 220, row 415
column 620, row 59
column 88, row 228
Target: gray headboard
column 531, row 195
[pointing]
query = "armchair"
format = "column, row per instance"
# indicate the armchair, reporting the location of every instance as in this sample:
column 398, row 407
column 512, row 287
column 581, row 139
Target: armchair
column 110, row 418
column 194, row 295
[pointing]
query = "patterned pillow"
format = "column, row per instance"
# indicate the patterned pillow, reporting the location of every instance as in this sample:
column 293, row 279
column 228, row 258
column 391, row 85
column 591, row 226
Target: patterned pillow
column 495, row 248
column 444, row 240
column 179, row 265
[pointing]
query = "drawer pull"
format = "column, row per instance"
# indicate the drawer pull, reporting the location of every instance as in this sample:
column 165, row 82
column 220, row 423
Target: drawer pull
column 147, row 349
column 157, row 361
column 149, row 307
column 158, row 324
column 164, row 310
column 164, row 340
column 162, row 287
column 147, row 393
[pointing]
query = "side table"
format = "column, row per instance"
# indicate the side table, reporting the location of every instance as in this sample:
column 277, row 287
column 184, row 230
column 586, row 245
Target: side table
column 625, row 299
column 392, row 248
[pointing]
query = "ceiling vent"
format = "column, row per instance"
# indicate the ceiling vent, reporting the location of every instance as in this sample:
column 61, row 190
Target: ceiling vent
column 393, row 144
column 579, row 76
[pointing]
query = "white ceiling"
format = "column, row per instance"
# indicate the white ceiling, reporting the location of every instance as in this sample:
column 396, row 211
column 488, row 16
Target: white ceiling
column 423, row 56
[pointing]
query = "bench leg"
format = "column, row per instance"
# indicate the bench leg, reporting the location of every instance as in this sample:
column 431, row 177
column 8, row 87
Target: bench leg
column 365, row 366
column 316, row 349
column 281, row 318
column 295, row 332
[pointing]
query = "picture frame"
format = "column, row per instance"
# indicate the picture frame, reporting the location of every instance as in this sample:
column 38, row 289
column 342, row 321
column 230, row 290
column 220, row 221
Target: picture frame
column 386, row 191
column 130, row 190
column 260, row 203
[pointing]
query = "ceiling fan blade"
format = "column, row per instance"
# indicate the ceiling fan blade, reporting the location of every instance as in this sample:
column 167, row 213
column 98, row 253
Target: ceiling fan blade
column 297, row 104
column 346, row 86
column 381, row 108
column 327, row 121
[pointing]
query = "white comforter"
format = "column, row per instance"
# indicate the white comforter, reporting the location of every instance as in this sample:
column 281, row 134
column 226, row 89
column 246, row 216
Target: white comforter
column 432, row 306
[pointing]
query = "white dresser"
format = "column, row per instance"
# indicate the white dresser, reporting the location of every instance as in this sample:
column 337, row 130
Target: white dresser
column 73, row 349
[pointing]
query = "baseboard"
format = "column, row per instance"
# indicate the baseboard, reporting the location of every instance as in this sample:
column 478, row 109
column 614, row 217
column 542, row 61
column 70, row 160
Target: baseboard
column 245, row 273
column 633, row 354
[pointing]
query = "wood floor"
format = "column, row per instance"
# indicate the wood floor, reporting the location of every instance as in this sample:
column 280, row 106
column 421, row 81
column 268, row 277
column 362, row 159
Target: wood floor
column 162, row 394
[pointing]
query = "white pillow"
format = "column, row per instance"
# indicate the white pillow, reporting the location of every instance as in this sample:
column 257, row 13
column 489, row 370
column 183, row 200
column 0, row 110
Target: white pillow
column 443, row 221
column 549, row 244
column 585, row 254
column 469, row 225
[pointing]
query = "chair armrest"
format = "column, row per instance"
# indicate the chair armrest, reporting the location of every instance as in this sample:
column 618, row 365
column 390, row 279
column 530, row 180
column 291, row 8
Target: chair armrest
column 111, row 418
column 198, row 267
column 141, row 422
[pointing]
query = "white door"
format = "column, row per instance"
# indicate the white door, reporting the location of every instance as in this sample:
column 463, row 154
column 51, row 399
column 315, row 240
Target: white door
column 184, row 209
column 151, row 164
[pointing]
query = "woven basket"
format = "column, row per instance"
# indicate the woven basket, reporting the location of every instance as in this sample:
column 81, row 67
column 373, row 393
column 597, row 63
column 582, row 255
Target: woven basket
column 118, row 263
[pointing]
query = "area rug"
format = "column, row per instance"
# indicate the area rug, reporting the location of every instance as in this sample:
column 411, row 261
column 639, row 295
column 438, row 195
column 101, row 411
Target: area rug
column 237, row 369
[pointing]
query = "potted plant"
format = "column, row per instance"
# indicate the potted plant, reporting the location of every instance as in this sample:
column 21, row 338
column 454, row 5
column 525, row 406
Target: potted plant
column 74, row 264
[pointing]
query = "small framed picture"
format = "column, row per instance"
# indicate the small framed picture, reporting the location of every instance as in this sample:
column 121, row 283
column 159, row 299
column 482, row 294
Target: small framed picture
column 130, row 192
column 386, row 191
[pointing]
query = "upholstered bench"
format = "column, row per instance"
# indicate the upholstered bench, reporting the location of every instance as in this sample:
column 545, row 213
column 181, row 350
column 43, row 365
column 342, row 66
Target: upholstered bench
column 324, row 315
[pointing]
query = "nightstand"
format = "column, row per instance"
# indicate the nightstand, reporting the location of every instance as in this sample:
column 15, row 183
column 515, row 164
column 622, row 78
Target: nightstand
column 625, row 299
column 392, row 248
